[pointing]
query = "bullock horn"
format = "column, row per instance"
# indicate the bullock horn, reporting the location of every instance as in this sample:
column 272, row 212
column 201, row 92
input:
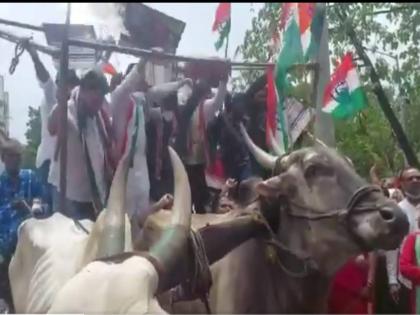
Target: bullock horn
column 182, row 195
column 112, row 221
column 263, row 158
column 316, row 140
column 275, row 146
column 171, row 251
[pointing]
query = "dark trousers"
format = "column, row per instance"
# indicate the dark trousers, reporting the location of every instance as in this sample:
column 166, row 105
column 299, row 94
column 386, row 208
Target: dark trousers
column 199, row 189
column 162, row 186
column 74, row 209
column 43, row 172
column 384, row 304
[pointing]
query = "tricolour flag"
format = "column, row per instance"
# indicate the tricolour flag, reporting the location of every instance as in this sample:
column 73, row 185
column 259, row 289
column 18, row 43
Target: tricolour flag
column 291, row 53
column 222, row 23
column 109, row 68
column 306, row 12
column 301, row 25
column 344, row 96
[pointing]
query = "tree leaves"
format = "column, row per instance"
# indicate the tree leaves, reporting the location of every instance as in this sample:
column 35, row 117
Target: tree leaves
column 33, row 138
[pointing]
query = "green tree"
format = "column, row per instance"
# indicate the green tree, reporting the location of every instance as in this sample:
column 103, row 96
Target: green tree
column 33, row 138
column 389, row 37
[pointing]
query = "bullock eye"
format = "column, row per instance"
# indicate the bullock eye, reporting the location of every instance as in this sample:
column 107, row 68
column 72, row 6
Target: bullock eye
column 318, row 170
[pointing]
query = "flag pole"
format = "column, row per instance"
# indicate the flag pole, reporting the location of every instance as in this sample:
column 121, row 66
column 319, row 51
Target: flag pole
column 323, row 126
column 227, row 39
column 62, row 103
column 227, row 45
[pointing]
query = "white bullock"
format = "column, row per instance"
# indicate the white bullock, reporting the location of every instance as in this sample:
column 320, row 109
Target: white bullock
column 51, row 251
column 129, row 283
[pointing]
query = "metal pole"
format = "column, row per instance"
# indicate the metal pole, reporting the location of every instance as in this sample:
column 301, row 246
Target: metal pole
column 16, row 39
column 324, row 126
column 22, row 25
column 155, row 54
column 64, row 63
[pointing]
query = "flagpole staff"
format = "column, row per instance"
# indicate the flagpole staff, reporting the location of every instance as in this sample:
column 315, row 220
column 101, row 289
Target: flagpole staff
column 62, row 103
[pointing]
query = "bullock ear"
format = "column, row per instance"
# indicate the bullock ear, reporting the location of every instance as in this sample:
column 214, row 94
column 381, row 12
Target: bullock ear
column 272, row 187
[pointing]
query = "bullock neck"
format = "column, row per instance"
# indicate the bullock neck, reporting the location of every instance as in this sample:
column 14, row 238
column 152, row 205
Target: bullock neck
column 264, row 287
column 286, row 293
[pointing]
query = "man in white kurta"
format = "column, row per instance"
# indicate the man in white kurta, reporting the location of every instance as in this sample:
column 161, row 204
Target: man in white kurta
column 90, row 148
column 45, row 152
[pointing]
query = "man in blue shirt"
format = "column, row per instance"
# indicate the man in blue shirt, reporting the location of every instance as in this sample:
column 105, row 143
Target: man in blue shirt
column 18, row 189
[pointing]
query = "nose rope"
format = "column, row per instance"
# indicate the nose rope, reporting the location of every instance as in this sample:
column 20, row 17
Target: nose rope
column 354, row 206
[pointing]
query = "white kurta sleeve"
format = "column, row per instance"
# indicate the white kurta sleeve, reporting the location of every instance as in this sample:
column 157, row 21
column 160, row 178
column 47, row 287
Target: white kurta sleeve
column 49, row 88
column 211, row 106
column 120, row 101
column 158, row 92
column 392, row 266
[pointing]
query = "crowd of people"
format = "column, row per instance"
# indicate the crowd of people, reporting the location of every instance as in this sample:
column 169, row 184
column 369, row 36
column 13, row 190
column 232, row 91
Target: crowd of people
column 201, row 120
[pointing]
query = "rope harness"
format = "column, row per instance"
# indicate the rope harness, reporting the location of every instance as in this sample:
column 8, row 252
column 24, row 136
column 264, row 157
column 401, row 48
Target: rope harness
column 19, row 49
column 198, row 286
column 354, row 206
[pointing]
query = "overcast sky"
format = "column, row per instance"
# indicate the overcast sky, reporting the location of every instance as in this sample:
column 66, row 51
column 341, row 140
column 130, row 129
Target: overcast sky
column 22, row 86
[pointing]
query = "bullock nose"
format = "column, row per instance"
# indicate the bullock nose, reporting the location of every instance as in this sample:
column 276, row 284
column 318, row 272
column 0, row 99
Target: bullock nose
column 395, row 218
column 388, row 214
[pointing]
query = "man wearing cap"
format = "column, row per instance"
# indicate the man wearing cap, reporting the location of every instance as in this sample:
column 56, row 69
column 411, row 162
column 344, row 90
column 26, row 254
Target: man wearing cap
column 18, row 189
column 46, row 148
